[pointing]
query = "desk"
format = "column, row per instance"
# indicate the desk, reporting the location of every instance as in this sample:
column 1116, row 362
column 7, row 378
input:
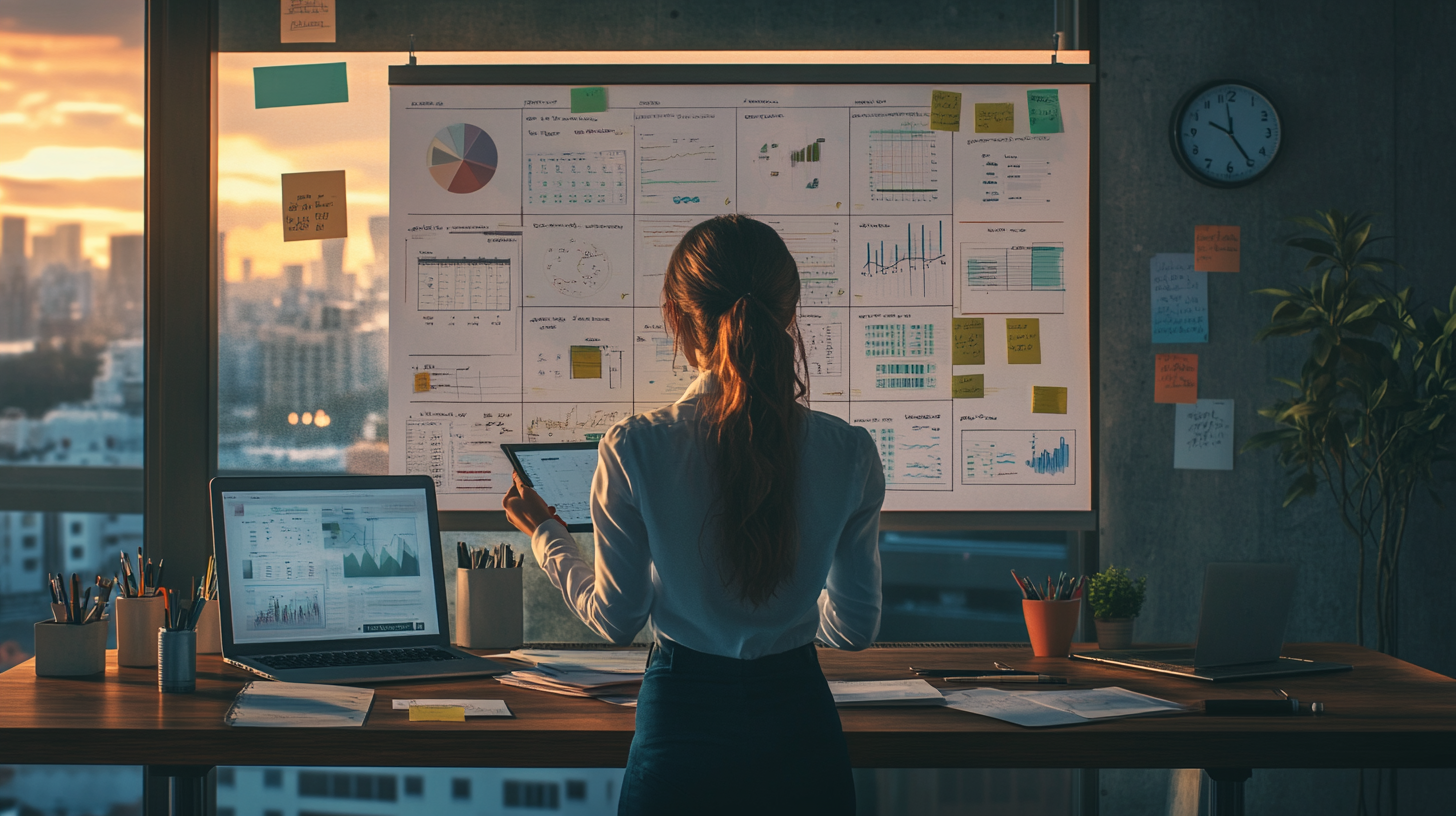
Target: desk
column 1386, row 713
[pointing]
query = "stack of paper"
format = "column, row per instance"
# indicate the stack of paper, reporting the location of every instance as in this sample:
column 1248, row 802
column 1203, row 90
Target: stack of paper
column 624, row 661
column 1036, row 709
column 576, row 683
column 852, row 693
column 299, row 705
column 471, row 708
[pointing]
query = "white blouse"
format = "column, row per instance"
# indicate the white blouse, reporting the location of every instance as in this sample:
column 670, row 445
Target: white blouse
column 656, row 550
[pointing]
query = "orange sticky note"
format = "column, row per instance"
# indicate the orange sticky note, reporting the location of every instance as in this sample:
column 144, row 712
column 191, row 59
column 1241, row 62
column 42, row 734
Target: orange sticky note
column 1215, row 249
column 314, row 206
column 422, row 382
column 1175, row 378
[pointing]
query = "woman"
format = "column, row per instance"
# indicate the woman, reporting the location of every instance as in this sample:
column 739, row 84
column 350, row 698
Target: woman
column 742, row 526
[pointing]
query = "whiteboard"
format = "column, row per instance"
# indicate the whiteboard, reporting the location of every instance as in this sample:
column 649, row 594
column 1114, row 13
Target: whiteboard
column 527, row 249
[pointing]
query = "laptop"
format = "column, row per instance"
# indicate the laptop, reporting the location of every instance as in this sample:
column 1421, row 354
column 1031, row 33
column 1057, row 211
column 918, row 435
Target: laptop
column 1240, row 630
column 334, row 579
column 561, row 472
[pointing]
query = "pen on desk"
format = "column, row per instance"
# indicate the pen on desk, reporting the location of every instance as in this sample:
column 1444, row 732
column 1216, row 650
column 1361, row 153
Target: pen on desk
column 971, row 672
column 1043, row 679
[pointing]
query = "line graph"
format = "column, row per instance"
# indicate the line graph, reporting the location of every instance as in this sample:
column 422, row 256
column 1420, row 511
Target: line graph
column 914, row 447
column 1018, row 457
column 677, row 169
column 284, row 608
column 903, row 264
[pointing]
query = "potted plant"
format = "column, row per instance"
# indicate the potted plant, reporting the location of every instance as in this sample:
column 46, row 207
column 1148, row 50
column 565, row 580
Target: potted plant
column 1116, row 600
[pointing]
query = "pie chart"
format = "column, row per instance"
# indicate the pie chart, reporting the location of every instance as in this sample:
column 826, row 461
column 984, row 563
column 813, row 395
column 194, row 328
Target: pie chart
column 462, row 158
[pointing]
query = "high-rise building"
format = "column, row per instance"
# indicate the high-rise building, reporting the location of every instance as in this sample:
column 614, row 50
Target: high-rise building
column 247, row 270
column 222, row 301
column 126, row 283
column 14, row 286
column 379, row 240
column 333, row 263
column 325, row 356
column 68, row 245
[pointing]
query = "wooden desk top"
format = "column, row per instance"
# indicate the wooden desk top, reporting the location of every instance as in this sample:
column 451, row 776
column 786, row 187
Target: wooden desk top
column 1385, row 713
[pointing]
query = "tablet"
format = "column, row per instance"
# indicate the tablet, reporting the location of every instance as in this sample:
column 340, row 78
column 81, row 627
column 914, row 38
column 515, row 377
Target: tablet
column 561, row 472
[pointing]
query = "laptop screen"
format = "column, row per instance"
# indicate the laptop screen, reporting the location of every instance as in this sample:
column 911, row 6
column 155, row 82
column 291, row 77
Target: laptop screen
column 321, row 564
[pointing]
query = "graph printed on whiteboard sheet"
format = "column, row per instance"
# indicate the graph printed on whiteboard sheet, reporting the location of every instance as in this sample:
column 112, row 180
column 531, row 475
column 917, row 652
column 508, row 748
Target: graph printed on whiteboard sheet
column 682, row 161
column 902, row 262
column 571, row 422
column 460, row 450
column 1014, row 179
column 914, row 441
column 1018, row 457
column 464, row 377
column 1020, row 278
column 820, row 247
column 584, row 179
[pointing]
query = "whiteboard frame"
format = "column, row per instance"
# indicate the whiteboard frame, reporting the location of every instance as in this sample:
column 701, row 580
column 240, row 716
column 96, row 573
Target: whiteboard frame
column 841, row 74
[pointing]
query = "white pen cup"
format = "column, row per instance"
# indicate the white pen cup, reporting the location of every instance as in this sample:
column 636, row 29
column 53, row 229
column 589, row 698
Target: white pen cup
column 209, row 630
column 137, row 622
column 70, row 650
column 488, row 608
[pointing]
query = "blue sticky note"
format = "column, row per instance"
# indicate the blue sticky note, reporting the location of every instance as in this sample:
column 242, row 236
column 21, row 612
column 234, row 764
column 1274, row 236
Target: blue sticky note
column 1180, row 299
column 283, row 86
column 1203, row 435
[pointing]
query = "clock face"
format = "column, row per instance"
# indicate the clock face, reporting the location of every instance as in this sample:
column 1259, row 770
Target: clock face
column 1225, row 134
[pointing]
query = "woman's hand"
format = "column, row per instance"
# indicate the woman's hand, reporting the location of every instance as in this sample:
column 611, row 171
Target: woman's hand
column 525, row 508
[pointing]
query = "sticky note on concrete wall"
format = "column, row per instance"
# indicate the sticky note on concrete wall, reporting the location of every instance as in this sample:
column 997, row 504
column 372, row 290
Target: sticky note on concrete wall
column 968, row 341
column 422, row 382
column 995, row 117
column 1203, row 436
column 282, row 86
column 586, row 362
column 1023, row 340
column 1175, row 378
column 1215, row 249
column 314, row 206
column 1044, row 111
column 306, row 21
column 1048, row 399
column 1180, row 299
column 968, row 386
column 945, row 110
column 588, row 100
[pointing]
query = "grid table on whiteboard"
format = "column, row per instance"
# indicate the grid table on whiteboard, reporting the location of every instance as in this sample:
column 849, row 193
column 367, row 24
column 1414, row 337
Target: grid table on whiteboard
column 465, row 284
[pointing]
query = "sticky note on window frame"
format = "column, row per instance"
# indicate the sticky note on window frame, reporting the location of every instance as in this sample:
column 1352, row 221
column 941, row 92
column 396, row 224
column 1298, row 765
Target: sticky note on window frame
column 588, row 100
column 1044, row 111
column 1048, row 399
column 968, row 341
column 1023, row 341
column 1175, row 378
column 968, row 386
column 437, row 713
column 1215, row 249
column 306, row 21
column 945, row 110
column 284, row 86
column 995, row 117
column 314, row 206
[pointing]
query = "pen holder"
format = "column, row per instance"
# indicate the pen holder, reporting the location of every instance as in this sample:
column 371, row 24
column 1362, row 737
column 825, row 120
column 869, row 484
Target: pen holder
column 137, row 620
column 176, row 661
column 209, row 630
column 67, row 650
column 488, row 608
column 1050, row 625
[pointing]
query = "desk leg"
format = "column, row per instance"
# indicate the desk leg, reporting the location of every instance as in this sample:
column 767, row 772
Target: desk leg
column 179, row 790
column 1226, row 790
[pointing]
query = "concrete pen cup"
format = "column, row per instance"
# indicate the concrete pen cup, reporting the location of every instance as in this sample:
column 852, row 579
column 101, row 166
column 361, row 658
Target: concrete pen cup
column 176, row 661
column 1051, row 625
column 209, row 630
column 70, row 650
column 137, row 621
column 488, row 608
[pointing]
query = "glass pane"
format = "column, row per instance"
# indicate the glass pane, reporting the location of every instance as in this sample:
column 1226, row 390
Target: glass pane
column 32, row 790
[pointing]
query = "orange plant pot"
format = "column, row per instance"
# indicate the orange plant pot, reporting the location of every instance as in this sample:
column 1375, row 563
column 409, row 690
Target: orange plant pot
column 1051, row 625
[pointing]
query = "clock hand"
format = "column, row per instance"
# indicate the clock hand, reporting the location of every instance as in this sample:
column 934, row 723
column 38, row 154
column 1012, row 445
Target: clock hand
column 1230, row 118
column 1215, row 126
column 1241, row 150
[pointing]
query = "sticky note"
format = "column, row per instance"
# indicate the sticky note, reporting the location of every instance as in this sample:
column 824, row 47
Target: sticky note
column 314, row 207
column 437, row 713
column 968, row 386
column 422, row 382
column 1048, row 399
column 1203, row 436
column 1175, row 378
column 283, row 86
column 1215, row 249
column 945, row 110
column 1180, row 299
column 1044, row 110
column 588, row 100
column 995, row 117
column 305, row 21
column 968, row 341
column 1023, row 340
column 586, row 362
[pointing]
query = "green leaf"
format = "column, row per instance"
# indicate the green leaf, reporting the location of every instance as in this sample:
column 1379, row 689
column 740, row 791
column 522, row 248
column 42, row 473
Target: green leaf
column 1265, row 439
column 1313, row 245
column 1306, row 485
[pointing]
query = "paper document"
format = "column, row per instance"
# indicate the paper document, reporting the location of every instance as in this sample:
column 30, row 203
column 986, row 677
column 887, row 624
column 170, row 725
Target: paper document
column 1102, row 703
column 623, row 661
column 272, row 704
column 884, row 692
column 1008, row 707
column 473, row 708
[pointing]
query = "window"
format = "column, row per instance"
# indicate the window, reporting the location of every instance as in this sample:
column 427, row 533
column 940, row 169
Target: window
column 538, row 795
column 272, row 777
column 575, row 790
column 459, row 788
column 227, row 777
column 366, row 786
column 414, row 786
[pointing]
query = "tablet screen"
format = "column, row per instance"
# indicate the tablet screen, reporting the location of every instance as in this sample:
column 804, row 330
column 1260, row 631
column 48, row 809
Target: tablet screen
column 563, row 478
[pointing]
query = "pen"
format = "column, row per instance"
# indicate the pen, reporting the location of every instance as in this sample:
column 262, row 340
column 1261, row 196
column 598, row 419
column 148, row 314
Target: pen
column 1044, row 679
column 969, row 672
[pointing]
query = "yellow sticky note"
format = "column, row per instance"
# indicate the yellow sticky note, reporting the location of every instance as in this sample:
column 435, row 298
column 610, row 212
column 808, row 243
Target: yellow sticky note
column 586, row 362
column 1048, row 399
column 945, row 110
column 968, row 386
column 1215, row 249
column 422, row 382
column 968, row 341
column 437, row 713
column 1023, row 340
column 314, row 207
column 995, row 117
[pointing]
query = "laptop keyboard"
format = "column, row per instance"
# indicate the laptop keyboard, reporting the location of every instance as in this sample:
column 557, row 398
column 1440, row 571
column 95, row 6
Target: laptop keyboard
column 363, row 657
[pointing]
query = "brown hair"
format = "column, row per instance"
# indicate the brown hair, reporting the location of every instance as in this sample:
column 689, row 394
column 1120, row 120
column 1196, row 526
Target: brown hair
column 731, row 293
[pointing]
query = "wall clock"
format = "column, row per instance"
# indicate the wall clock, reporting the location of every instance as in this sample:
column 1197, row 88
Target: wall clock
column 1225, row 133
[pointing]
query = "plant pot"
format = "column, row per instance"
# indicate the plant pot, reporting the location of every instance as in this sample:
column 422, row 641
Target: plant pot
column 1114, row 633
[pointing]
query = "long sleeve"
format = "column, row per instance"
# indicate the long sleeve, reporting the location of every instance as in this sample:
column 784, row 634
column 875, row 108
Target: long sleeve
column 849, row 606
column 615, row 598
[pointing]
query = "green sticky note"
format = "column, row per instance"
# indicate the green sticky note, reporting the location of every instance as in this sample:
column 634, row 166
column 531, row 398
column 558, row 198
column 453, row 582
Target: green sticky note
column 968, row 386
column 283, row 86
column 1045, row 110
column 588, row 100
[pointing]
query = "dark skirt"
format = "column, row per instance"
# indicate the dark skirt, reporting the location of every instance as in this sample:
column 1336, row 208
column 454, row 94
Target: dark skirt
column 721, row 735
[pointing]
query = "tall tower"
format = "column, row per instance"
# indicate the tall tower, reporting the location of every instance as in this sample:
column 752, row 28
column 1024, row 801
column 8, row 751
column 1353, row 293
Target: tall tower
column 14, row 288
column 333, row 252
column 126, row 282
